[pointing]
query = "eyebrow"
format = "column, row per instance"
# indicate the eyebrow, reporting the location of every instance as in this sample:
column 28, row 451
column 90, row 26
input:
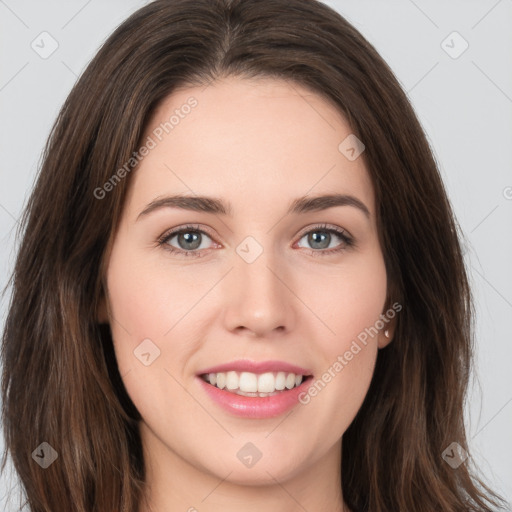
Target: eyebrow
column 213, row 205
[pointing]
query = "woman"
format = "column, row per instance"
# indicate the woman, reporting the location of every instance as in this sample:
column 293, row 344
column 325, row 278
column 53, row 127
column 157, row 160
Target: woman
column 310, row 349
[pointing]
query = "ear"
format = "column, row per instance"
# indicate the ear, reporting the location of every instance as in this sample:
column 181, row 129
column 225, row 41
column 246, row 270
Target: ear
column 387, row 333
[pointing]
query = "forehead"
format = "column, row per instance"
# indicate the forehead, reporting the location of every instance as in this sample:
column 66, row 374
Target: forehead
column 266, row 139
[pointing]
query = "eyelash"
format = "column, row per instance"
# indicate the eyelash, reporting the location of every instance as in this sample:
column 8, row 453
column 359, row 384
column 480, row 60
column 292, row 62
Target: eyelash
column 348, row 241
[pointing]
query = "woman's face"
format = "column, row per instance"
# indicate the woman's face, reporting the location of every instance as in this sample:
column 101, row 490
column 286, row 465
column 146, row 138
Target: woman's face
column 255, row 288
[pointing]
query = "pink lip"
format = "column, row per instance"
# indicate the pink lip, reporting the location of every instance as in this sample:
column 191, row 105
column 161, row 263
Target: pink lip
column 257, row 367
column 255, row 407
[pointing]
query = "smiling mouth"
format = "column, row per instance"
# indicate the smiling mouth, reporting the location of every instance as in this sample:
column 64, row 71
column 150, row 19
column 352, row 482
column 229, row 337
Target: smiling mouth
column 255, row 384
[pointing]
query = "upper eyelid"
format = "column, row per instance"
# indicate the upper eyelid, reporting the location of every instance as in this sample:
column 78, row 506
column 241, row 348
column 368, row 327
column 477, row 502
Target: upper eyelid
column 326, row 227
column 173, row 232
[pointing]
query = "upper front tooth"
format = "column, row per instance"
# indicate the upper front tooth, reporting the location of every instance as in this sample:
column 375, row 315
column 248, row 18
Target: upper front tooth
column 266, row 383
column 232, row 380
column 248, row 382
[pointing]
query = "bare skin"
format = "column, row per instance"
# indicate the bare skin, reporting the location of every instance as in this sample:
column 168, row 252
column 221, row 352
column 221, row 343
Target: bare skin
column 259, row 145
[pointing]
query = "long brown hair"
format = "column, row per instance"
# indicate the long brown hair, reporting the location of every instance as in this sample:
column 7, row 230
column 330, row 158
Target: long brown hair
column 60, row 382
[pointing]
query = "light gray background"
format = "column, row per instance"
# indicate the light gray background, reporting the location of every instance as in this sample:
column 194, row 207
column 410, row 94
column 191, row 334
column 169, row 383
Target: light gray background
column 464, row 105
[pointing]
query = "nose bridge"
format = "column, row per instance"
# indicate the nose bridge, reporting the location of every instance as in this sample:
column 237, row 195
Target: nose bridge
column 257, row 300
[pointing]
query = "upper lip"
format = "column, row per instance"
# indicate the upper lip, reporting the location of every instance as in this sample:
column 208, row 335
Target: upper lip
column 257, row 367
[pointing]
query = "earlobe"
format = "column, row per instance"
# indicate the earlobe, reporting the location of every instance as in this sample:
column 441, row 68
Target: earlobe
column 386, row 335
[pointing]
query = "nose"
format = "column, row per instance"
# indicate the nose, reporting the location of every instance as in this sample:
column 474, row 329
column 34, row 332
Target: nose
column 259, row 297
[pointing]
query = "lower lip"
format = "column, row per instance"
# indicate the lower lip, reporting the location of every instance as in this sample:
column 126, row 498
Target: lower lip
column 256, row 407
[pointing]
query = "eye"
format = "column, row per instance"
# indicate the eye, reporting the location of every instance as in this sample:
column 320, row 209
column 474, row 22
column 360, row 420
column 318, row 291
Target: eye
column 320, row 238
column 187, row 241
column 191, row 241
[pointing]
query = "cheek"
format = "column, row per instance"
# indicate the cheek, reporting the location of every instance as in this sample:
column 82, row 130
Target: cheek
column 153, row 336
column 350, row 302
column 354, row 304
column 149, row 301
